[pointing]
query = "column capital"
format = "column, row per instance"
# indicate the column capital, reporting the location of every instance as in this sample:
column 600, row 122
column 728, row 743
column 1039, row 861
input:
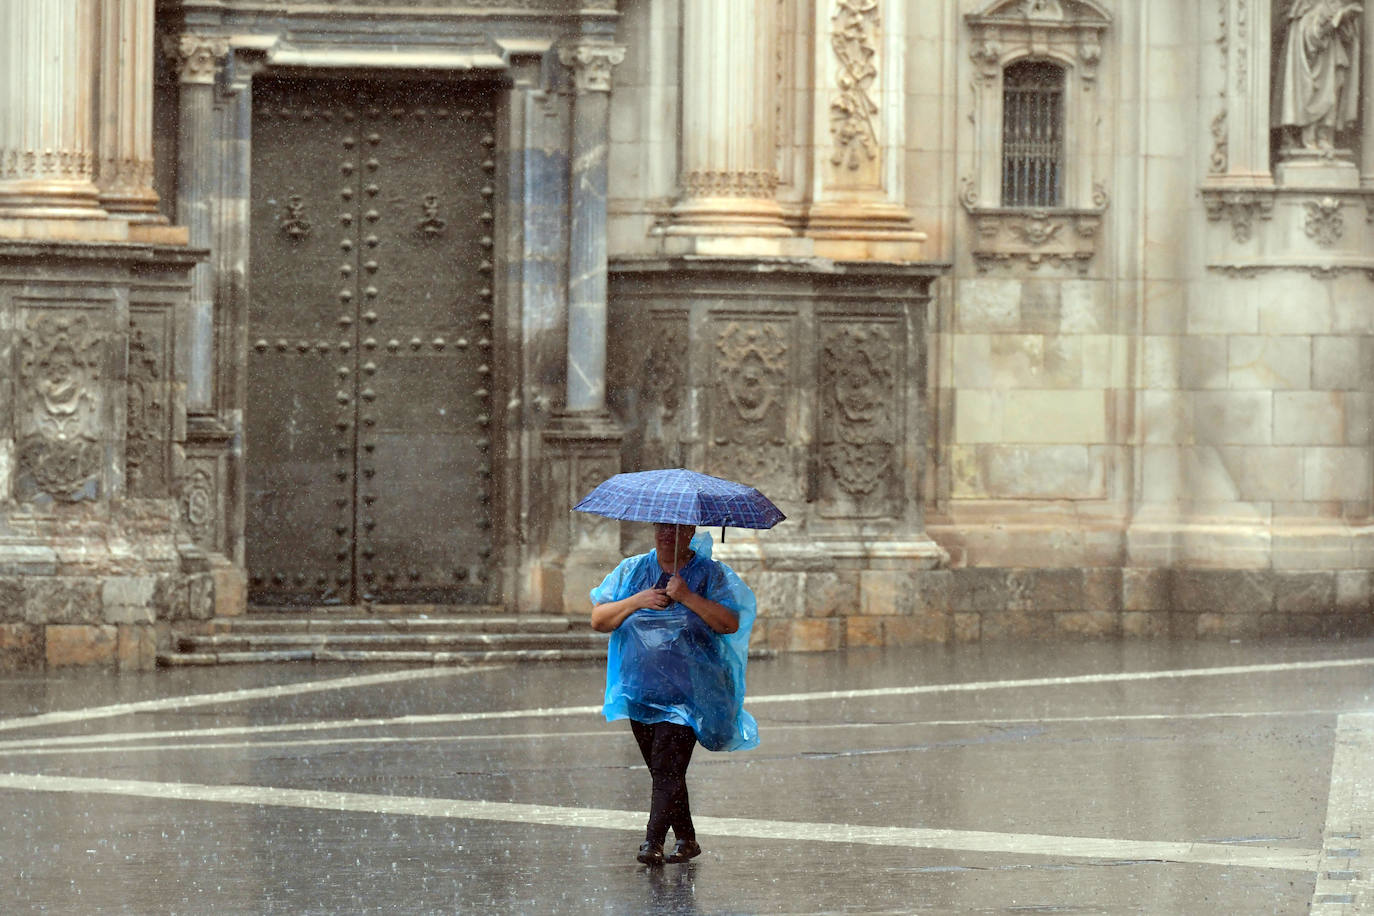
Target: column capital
column 197, row 57
column 591, row 64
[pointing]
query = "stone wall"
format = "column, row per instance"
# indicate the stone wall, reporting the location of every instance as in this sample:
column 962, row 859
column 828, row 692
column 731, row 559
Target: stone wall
column 95, row 563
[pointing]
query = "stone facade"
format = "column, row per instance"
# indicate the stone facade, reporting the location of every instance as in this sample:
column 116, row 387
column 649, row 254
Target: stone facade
column 774, row 240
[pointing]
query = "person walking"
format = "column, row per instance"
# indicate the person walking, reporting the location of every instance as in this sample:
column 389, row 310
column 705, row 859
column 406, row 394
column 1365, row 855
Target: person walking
column 679, row 624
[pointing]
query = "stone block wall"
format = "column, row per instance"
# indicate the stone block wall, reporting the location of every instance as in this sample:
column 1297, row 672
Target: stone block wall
column 850, row 608
column 96, row 561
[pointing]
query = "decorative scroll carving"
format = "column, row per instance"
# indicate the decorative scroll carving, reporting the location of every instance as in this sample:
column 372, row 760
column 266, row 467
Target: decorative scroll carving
column 1324, row 223
column 591, row 65
column 1241, row 208
column 858, row 426
column 853, row 38
column 749, row 406
column 197, row 57
column 198, row 506
column 148, row 412
column 60, row 372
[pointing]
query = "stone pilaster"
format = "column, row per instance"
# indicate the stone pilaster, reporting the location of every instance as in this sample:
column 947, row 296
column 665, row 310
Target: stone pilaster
column 1367, row 101
column 124, row 166
column 586, row 381
column 47, row 150
column 199, row 59
column 729, row 159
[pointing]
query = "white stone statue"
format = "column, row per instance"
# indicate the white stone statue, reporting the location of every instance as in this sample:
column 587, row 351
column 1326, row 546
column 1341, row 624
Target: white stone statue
column 1317, row 73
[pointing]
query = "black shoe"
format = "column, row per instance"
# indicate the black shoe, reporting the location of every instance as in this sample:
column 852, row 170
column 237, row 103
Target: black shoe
column 684, row 850
column 650, row 853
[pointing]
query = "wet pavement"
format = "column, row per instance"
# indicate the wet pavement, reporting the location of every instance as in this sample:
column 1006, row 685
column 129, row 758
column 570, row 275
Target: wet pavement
column 1144, row 777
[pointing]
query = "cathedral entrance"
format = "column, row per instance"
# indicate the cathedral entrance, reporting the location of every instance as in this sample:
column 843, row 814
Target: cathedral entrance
column 369, row 405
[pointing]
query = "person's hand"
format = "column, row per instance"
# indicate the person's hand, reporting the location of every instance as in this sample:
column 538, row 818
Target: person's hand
column 678, row 589
column 653, row 599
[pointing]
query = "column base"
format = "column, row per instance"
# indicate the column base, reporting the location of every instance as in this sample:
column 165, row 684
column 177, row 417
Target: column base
column 32, row 199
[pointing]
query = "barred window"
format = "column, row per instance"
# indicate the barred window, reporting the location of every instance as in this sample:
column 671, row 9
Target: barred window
column 1033, row 134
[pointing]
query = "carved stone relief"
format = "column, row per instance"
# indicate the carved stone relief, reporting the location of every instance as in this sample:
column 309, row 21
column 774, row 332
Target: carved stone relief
column 60, row 397
column 1324, row 223
column 1317, row 76
column 749, row 398
column 859, row 426
column 199, row 505
column 853, row 111
column 149, row 409
column 1241, row 209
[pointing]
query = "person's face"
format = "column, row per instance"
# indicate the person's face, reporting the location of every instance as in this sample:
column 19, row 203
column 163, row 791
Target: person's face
column 673, row 538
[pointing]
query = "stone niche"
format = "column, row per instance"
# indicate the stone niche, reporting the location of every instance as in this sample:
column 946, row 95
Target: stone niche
column 806, row 379
column 94, row 560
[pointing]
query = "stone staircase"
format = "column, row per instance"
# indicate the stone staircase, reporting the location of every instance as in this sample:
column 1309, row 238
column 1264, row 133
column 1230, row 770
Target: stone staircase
column 409, row 634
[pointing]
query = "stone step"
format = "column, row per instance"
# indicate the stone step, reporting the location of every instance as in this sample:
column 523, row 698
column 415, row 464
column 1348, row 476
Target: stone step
column 379, row 610
column 415, row 641
column 416, row 624
column 421, row 657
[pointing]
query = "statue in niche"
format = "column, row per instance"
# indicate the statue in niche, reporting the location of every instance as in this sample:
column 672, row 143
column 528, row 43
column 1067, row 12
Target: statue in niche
column 1317, row 74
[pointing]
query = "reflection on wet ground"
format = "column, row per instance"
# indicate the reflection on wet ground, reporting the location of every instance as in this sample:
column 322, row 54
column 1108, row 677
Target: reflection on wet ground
column 1085, row 778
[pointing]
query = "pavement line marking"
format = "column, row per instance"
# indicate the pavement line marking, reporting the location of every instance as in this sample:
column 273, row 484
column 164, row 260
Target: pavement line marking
column 1345, row 873
column 230, row 696
column 554, row 712
column 1118, row 677
column 1061, row 847
column 44, row 747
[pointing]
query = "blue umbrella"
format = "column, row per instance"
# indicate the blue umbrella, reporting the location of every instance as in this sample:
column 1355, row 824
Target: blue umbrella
column 681, row 497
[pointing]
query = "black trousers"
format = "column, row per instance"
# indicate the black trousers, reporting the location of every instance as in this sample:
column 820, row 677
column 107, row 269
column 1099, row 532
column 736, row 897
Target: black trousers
column 667, row 749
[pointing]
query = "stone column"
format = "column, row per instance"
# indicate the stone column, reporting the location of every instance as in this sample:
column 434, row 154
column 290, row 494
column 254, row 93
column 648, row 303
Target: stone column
column 586, row 381
column 124, row 166
column 46, row 128
column 729, row 155
column 1367, row 100
column 199, row 59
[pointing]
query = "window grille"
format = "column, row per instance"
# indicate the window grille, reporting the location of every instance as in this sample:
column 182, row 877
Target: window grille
column 1033, row 135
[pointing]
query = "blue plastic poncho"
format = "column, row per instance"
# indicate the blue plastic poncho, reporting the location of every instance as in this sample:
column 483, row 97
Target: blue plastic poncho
column 668, row 665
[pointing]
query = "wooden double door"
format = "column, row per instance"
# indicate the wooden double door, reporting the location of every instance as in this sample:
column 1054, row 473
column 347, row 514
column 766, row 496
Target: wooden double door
column 370, row 343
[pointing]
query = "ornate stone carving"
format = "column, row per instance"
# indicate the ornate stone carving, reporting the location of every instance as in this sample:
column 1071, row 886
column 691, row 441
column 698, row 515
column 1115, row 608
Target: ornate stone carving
column 1241, row 208
column 591, row 65
column 853, row 38
column 749, row 403
column 667, row 369
column 198, row 506
column 858, row 425
column 760, row 183
column 1324, row 223
column 59, row 377
column 148, row 413
column 1065, row 236
column 197, row 57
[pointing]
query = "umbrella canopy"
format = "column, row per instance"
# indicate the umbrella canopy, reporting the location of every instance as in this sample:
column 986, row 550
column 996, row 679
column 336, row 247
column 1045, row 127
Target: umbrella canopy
column 681, row 497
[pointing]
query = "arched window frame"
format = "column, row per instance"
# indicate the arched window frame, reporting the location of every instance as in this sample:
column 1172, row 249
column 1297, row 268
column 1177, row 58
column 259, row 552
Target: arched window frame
column 1069, row 34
